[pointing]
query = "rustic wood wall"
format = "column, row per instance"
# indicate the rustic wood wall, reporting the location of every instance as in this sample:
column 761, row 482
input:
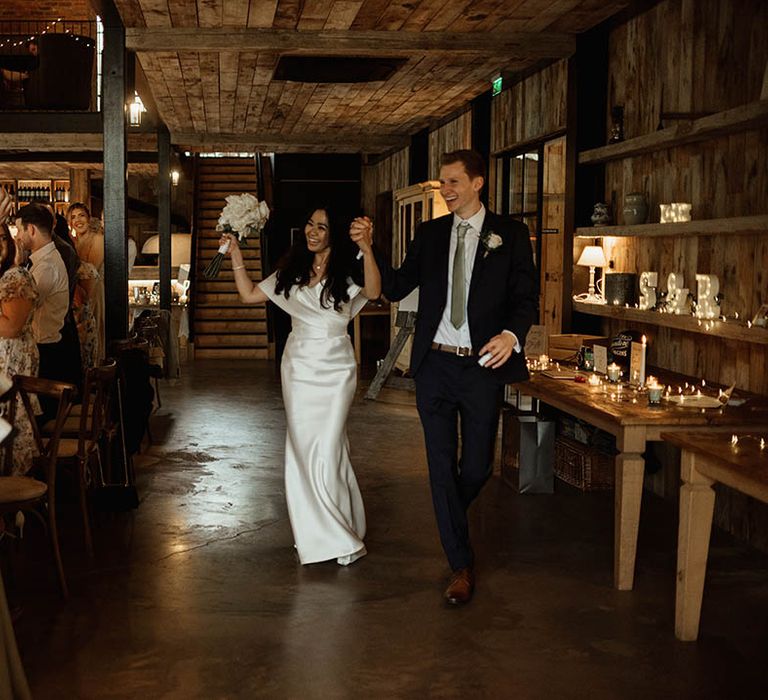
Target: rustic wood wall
column 452, row 136
column 553, row 218
column 525, row 113
column 685, row 56
column 530, row 109
column 700, row 57
column 386, row 174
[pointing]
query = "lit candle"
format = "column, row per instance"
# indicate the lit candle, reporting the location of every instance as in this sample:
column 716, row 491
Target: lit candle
column 641, row 377
column 614, row 372
column 594, row 380
column 654, row 392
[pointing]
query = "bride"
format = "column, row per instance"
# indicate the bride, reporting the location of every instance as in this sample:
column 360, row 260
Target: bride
column 314, row 284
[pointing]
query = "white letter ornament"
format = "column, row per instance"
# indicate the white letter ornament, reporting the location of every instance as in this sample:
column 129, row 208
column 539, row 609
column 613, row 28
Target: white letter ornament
column 707, row 288
column 648, row 283
column 677, row 295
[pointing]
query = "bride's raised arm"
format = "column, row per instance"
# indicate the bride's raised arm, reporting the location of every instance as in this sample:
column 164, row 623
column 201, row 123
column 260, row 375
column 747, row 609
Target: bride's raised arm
column 361, row 232
column 250, row 292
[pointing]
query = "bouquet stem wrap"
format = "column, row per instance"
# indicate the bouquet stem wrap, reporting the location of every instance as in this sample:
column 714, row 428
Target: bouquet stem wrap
column 214, row 267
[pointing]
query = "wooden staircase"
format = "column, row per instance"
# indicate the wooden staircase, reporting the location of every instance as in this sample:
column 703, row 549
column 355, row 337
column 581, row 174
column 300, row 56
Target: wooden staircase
column 224, row 327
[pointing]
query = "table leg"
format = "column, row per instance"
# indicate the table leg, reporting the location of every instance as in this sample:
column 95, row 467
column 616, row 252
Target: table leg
column 630, row 468
column 697, row 503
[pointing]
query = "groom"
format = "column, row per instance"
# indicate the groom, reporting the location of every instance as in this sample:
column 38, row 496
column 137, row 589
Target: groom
column 477, row 300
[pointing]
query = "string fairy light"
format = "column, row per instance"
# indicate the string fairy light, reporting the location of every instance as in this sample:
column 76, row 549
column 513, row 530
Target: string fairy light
column 51, row 26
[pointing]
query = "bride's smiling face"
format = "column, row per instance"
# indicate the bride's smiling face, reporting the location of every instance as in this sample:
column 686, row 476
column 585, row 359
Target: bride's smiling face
column 316, row 231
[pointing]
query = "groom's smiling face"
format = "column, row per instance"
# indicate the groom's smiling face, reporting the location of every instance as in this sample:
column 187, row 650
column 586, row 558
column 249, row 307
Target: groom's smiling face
column 460, row 191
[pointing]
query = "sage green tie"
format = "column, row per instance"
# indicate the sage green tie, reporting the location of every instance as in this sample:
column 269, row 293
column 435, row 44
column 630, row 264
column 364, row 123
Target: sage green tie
column 458, row 289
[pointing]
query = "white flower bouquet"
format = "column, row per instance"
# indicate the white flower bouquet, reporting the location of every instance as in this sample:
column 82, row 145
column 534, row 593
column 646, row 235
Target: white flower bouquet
column 243, row 215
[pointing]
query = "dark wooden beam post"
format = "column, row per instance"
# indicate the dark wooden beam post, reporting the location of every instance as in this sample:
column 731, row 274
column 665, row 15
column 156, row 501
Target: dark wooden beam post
column 115, row 167
column 164, row 213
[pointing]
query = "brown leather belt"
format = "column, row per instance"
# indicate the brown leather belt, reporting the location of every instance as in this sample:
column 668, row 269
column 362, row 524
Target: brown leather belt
column 461, row 352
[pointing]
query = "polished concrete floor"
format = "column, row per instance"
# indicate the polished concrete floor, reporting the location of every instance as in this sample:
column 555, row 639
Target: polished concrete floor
column 197, row 594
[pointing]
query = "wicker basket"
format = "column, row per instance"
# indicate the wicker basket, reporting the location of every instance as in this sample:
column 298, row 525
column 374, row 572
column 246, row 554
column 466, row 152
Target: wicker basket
column 583, row 466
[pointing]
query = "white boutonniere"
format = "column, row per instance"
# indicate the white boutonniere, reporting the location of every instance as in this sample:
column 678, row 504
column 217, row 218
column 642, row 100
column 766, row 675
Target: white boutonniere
column 491, row 241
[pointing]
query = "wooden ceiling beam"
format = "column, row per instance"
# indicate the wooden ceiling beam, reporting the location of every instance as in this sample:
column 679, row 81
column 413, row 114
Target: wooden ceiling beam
column 41, row 142
column 288, row 143
column 348, row 42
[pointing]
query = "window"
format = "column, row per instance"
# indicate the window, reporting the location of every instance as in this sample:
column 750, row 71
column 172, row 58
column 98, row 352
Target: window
column 518, row 188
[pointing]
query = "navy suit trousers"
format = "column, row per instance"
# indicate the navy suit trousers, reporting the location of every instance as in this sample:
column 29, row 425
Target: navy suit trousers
column 453, row 391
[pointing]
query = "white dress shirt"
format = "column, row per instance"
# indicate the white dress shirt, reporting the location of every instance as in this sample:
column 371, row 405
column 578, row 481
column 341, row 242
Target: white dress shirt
column 50, row 275
column 446, row 333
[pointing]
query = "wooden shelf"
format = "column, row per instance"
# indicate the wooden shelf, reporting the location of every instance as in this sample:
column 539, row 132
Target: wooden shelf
column 730, row 330
column 705, row 227
column 737, row 119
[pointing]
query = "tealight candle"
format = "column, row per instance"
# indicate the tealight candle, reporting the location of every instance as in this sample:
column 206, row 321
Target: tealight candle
column 654, row 394
column 614, row 372
column 594, row 380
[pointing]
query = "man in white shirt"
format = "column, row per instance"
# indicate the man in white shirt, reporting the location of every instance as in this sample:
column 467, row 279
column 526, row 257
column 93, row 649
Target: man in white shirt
column 477, row 299
column 58, row 348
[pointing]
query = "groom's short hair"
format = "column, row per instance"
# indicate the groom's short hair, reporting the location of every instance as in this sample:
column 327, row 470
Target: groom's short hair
column 472, row 161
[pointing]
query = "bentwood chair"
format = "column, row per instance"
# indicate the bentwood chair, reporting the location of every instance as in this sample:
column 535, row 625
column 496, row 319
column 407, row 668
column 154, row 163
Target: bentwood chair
column 96, row 430
column 28, row 493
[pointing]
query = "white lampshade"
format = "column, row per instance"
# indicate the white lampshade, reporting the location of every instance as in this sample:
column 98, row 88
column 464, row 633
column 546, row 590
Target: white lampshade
column 592, row 256
column 181, row 247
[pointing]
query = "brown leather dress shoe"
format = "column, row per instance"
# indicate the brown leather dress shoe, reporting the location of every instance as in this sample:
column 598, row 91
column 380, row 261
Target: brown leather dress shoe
column 460, row 587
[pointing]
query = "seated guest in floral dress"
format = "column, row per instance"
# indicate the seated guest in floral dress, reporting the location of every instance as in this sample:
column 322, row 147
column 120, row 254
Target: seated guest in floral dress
column 18, row 350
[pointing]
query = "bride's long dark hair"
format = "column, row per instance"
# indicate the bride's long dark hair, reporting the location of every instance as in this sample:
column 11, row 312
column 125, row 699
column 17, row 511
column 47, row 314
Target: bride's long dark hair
column 295, row 268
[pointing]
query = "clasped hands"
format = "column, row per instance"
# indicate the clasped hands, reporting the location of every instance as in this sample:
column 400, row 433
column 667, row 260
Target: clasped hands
column 361, row 232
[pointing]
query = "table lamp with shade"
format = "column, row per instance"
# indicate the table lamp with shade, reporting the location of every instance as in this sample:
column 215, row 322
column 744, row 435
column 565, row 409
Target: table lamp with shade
column 181, row 247
column 592, row 256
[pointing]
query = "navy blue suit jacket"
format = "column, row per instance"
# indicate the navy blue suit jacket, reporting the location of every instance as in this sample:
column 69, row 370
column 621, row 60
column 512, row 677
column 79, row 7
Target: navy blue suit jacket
column 503, row 291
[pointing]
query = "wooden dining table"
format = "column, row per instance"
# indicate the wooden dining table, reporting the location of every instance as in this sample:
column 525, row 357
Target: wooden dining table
column 708, row 458
column 627, row 415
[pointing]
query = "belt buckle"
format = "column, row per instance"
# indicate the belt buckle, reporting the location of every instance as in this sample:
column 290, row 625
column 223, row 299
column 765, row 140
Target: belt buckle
column 462, row 352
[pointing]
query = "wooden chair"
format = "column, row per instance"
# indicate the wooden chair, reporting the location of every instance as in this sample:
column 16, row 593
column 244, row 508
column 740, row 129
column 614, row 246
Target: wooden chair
column 149, row 330
column 24, row 493
column 96, row 430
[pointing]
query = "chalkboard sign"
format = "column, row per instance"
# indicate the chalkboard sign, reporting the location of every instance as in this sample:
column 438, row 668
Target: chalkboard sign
column 620, row 347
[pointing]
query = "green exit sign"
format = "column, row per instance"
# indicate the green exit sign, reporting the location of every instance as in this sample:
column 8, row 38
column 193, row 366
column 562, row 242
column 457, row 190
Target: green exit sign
column 496, row 86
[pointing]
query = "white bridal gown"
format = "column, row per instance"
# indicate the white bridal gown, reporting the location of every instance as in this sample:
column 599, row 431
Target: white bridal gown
column 319, row 375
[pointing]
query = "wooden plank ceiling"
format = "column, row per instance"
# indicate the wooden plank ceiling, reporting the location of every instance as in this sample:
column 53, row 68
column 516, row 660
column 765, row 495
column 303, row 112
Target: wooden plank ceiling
column 210, row 64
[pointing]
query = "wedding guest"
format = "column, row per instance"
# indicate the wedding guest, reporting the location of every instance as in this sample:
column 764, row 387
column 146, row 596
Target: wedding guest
column 88, row 238
column 477, row 300
column 18, row 350
column 314, row 284
column 59, row 350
